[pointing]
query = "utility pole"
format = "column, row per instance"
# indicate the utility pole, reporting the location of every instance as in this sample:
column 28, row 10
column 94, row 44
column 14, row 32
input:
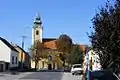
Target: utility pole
column 23, row 39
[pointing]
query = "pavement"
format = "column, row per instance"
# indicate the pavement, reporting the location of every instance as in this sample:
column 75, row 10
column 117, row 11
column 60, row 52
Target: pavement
column 39, row 76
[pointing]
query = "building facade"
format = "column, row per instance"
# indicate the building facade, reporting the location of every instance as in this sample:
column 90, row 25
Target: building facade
column 49, row 45
column 92, row 61
column 23, row 57
column 8, row 56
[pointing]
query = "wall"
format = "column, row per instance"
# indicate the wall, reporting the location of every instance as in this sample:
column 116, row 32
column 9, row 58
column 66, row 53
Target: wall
column 27, row 60
column 4, row 52
column 36, row 37
column 32, row 64
column 15, row 54
column 19, row 54
column 32, row 36
column 95, row 60
column 40, row 64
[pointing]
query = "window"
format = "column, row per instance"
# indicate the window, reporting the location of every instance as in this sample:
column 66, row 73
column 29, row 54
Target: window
column 37, row 32
column 77, row 66
column 12, row 59
column 16, row 60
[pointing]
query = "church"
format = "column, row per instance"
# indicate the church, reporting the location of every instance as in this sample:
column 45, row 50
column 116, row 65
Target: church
column 49, row 44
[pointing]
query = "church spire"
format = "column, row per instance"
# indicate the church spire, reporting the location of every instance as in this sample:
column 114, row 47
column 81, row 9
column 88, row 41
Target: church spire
column 38, row 20
column 37, row 30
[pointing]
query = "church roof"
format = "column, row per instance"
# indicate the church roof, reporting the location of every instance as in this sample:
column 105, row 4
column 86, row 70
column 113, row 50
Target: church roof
column 48, row 39
column 8, row 44
column 50, row 45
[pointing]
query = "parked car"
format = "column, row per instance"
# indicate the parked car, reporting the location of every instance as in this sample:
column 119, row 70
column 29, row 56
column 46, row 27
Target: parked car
column 76, row 69
column 103, row 75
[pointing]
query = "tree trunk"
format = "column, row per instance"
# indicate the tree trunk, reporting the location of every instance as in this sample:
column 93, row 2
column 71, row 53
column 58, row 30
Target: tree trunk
column 42, row 64
column 64, row 65
column 53, row 65
column 36, row 62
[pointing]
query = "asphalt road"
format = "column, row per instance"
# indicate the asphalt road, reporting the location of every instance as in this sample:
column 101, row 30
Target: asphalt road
column 51, row 76
column 40, row 76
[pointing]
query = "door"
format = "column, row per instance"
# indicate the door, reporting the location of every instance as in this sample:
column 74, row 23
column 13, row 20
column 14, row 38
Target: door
column 7, row 66
column 1, row 68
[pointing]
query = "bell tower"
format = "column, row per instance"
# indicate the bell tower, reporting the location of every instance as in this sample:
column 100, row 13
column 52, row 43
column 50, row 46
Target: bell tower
column 37, row 30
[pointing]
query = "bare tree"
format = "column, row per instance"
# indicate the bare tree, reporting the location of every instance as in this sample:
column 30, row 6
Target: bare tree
column 37, row 52
column 64, row 45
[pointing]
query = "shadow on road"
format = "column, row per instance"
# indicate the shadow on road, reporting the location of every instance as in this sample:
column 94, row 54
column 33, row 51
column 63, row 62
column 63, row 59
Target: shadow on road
column 44, row 76
column 2, row 75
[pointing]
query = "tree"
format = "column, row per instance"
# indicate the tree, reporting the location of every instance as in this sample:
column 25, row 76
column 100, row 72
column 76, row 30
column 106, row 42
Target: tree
column 64, row 45
column 37, row 50
column 56, row 59
column 76, row 56
column 106, row 36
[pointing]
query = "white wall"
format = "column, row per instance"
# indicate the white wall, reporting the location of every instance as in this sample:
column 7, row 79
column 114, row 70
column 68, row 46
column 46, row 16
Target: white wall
column 32, row 36
column 15, row 54
column 95, row 60
column 37, row 37
column 41, row 34
column 32, row 64
column 4, row 52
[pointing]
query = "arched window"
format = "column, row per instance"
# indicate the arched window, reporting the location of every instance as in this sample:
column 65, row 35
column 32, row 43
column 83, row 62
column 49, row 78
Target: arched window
column 37, row 32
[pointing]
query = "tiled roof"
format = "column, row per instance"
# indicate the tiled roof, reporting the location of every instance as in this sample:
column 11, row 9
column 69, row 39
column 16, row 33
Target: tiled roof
column 48, row 39
column 50, row 44
column 8, row 44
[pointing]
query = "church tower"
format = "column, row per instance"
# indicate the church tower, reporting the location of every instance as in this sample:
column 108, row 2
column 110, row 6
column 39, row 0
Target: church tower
column 37, row 30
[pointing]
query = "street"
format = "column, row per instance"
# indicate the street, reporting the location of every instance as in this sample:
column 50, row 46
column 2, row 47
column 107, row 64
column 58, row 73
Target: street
column 40, row 76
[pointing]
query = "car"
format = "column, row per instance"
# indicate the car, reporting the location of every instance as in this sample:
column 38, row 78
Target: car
column 76, row 69
column 103, row 75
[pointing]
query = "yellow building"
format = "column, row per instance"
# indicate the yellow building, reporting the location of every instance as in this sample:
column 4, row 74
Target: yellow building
column 23, row 57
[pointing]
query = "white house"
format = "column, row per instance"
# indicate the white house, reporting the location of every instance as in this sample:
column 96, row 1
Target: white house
column 92, row 58
column 8, row 56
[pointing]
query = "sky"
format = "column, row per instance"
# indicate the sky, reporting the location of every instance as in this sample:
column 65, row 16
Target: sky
column 72, row 17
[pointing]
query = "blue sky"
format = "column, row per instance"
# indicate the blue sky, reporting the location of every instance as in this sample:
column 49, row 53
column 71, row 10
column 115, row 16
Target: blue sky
column 72, row 17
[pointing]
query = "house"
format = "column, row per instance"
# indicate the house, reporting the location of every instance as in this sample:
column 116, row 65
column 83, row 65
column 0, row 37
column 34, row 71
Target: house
column 92, row 60
column 8, row 56
column 23, row 57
